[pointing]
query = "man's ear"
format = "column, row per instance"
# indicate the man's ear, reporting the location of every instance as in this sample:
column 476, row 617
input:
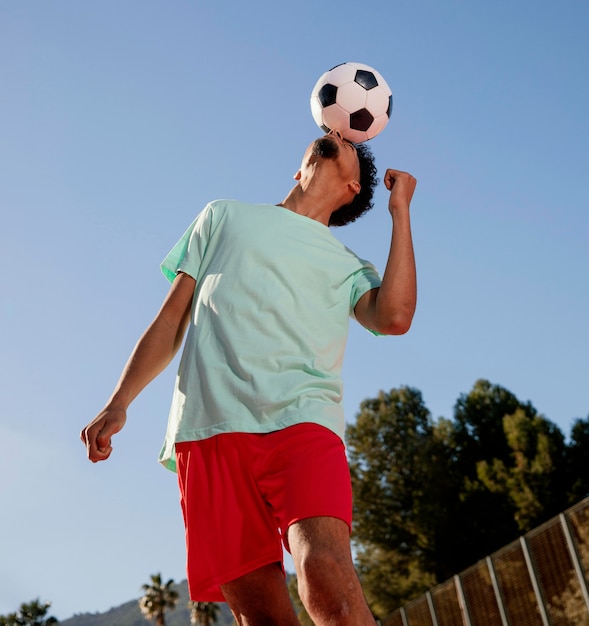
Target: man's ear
column 355, row 186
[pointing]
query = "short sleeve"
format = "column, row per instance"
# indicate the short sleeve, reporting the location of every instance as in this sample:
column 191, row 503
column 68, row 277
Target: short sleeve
column 365, row 279
column 189, row 251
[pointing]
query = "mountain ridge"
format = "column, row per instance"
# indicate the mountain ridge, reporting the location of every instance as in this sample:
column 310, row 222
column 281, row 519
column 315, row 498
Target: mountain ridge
column 129, row 614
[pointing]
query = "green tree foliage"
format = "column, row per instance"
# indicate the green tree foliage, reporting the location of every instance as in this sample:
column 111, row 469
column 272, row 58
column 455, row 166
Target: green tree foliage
column 478, row 423
column 432, row 498
column 157, row 599
column 33, row 613
column 531, row 479
column 204, row 613
column 577, row 465
column 388, row 457
column 510, row 468
column 397, row 462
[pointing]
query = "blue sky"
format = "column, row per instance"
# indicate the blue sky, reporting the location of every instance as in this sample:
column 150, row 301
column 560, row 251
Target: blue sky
column 120, row 120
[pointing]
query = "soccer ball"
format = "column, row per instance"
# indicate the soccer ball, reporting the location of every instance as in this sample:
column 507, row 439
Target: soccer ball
column 354, row 99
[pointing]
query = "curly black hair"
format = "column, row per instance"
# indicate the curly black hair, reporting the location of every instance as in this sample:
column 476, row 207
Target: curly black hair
column 362, row 203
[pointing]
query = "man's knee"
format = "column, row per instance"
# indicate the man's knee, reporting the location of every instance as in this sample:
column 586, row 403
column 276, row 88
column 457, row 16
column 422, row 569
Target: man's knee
column 326, row 584
column 260, row 598
column 327, row 581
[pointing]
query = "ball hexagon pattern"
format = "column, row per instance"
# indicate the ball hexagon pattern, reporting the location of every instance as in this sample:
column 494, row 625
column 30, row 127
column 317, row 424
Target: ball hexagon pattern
column 354, row 99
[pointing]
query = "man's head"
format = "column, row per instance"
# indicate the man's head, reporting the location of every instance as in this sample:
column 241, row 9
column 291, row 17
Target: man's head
column 341, row 175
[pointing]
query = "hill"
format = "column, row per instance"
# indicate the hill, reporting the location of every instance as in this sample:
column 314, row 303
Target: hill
column 128, row 614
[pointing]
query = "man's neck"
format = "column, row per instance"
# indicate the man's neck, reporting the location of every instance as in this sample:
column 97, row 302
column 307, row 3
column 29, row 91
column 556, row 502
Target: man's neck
column 310, row 203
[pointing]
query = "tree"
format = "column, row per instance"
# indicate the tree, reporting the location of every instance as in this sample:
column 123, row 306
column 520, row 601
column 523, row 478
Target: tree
column 30, row 614
column 432, row 498
column 204, row 613
column 484, row 518
column 478, row 419
column 532, row 478
column 158, row 598
column 399, row 462
column 388, row 448
column 577, row 466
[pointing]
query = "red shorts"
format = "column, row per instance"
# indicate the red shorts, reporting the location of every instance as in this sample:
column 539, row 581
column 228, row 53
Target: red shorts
column 240, row 492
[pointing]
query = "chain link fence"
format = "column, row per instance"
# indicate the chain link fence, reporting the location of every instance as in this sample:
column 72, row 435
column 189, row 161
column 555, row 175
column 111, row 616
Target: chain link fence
column 541, row 579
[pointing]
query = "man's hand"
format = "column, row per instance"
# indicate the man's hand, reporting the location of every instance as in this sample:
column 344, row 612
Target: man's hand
column 97, row 435
column 401, row 185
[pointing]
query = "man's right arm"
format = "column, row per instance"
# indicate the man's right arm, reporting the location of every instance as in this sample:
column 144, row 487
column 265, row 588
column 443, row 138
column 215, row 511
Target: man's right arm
column 153, row 352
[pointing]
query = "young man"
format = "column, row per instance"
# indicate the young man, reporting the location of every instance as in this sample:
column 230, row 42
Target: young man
column 256, row 424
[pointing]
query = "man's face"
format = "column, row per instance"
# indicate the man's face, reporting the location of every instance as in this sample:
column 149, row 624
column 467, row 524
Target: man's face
column 335, row 148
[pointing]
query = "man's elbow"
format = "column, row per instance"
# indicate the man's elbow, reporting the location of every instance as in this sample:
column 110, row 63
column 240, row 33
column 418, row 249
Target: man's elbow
column 396, row 329
column 396, row 324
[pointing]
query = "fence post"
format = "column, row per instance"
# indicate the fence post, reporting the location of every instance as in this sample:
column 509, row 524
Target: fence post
column 432, row 610
column 498, row 595
column 534, row 579
column 462, row 601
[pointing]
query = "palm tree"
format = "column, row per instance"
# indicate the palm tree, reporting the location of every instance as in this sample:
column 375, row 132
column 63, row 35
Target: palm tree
column 157, row 599
column 203, row 612
column 30, row 614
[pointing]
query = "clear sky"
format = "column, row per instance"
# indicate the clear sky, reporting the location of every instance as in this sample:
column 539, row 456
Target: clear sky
column 120, row 119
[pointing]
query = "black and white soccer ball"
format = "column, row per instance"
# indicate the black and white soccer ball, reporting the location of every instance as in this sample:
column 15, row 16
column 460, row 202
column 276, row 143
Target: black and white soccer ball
column 354, row 99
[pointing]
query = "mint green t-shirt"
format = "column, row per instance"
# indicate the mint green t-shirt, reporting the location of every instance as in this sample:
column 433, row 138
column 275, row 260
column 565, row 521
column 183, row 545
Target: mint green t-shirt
column 268, row 326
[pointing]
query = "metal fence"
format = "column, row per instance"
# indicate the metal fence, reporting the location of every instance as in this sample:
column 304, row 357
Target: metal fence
column 541, row 579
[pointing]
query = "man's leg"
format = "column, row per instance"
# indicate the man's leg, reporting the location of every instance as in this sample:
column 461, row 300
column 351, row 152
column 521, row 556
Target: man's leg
column 261, row 598
column 328, row 585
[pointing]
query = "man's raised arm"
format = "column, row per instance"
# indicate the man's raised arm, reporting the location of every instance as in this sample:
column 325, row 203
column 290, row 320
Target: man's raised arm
column 389, row 309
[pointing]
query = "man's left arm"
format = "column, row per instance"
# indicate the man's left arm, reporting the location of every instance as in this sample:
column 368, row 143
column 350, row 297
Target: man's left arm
column 389, row 309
